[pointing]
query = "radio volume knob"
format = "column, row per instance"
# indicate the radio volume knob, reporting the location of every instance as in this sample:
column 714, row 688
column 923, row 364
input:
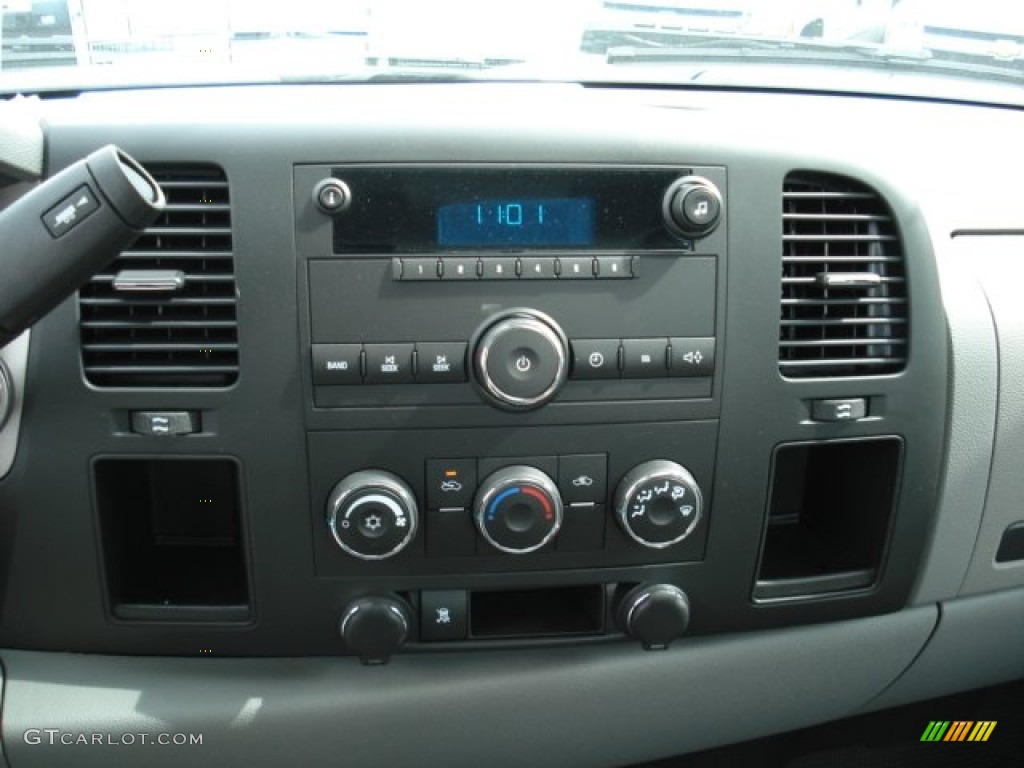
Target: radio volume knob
column 658, row 503
column 692, row 207
column 520, row 359
column 518, row 509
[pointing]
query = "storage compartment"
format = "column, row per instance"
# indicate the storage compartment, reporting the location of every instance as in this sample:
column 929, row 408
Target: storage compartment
column 172, row 539
column 829, row 516
column 554, row 611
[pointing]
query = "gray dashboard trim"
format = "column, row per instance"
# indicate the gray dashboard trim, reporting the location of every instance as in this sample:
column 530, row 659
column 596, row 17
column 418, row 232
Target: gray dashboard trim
column 979, row 641
column 593, row 706
column 997, row 261
column 974, row 380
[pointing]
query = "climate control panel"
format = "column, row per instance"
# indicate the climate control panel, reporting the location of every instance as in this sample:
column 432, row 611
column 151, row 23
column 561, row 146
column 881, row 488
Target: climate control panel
column 644, row 501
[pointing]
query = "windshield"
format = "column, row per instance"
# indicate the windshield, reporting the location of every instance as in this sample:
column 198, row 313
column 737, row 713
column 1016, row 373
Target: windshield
column 865, row 45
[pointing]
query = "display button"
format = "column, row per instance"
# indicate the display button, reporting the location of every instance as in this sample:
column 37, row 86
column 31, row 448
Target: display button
column 692, row 357
column 335, row 364
column 614, row 267
column 583, row 478
column 71, row 211
column 420, row 269
column 459, row 268
column 595, row 358
column 644, row 358
column 450, row 482
column 576, row 268
column 499, row 268
column 444, row 615
column 440, row 361
column 388, row 363
column 332, row 196
column 537, row 268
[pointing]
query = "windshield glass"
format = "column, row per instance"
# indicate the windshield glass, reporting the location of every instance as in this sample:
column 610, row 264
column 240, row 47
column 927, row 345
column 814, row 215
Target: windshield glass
column 867, row 45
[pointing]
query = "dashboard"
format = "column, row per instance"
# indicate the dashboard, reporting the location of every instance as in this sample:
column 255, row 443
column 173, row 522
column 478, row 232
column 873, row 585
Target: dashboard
column 616, row 423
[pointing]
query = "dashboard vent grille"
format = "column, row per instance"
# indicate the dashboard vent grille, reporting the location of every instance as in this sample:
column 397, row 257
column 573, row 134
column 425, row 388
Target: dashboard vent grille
column 844, row 293
column 162, row 314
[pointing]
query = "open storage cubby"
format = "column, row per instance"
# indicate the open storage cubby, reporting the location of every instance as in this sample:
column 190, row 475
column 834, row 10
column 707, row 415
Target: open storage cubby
column 547, row 612
column 172, row 537
column 830, row 512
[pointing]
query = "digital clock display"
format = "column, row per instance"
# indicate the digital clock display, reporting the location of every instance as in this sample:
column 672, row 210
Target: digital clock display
column 515, row 222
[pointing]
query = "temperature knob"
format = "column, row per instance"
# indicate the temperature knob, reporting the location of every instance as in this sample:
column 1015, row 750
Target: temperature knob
column 658, row 503
column 372, row 514
column 518, row 509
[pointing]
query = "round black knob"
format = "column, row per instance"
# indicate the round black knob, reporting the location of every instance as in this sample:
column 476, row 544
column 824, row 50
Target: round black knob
column 518, row 509
column 692, row 207
column 520, row 359
column 654, row 614
column 372, row 514
column 332, row 196
column 374, row 628
column 658, row 503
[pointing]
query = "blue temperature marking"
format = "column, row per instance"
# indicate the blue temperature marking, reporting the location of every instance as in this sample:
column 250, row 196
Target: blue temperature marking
column 492, row 509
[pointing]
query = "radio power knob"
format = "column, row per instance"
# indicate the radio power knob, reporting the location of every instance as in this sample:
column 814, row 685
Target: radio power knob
column 658, row 503
column 520, row 359
column 692, row 207
column 372, row 514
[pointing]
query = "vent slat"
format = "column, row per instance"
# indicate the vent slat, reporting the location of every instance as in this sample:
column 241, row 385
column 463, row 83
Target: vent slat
column 104, row 301
column 132, row 325
column 184, row 338
column 211, row 254
column 880, row 341
column 814, row 280
column 136, row 346
column 836, row 226
column 827, row 238
column 826, row 322
column 840, row 362
column 845, row 301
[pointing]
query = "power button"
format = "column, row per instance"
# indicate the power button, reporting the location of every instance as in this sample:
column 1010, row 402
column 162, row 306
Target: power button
column 521, row 360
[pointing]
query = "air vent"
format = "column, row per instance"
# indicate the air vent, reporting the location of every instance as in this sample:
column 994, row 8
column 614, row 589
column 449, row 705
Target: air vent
column 844, row 293
column 162, row 314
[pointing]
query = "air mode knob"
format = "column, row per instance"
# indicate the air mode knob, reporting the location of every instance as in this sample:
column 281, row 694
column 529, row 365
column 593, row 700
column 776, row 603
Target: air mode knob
column 520, row 359
column 372, row 514
column 518, row 509
column 658, row 503
column 692, row 207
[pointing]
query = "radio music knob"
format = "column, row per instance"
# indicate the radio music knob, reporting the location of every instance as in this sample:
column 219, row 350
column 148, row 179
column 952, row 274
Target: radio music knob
column 658, row 503
column 520, row 359
column 692, row 207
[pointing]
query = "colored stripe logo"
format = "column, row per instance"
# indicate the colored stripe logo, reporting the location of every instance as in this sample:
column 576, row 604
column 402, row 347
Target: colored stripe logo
column 958, row 730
